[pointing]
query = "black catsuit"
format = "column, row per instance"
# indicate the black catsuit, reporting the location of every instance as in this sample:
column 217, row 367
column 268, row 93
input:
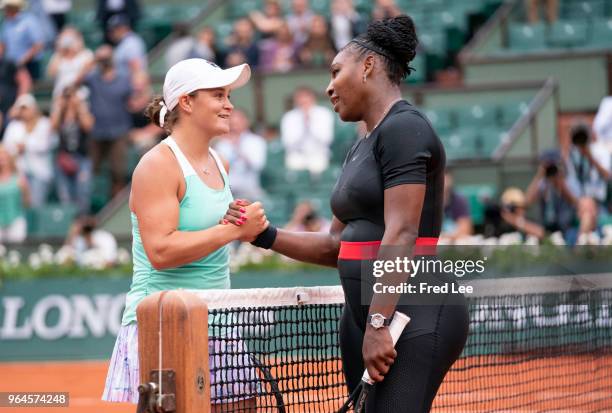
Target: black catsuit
column 403, row 149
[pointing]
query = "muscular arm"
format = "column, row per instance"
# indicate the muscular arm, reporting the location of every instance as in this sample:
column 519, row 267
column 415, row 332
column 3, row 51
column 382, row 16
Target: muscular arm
column 155, row 201
column 315, row 248
column 403, row 206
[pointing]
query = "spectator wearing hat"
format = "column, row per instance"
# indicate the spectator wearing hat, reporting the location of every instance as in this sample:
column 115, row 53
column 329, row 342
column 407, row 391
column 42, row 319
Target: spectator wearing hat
column 457, row 221
column 514, row 213
column 130, row 54
column 29, row 137
column 20, row 37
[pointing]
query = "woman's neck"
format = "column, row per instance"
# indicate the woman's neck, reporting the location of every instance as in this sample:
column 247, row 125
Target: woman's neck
column 192, row 141
column 380, row 106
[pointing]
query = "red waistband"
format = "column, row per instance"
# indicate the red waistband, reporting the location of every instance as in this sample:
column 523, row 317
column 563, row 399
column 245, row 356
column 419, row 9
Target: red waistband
column 368, row 250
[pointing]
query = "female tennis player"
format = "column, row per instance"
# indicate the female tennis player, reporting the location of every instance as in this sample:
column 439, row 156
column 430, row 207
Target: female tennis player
column 387, row 202
column 180, row 190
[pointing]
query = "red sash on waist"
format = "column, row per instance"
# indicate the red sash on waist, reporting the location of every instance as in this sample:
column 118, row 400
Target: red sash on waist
column 368, row 250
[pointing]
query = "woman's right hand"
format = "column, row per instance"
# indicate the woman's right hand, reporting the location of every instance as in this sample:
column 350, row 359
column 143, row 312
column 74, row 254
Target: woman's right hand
column 249, row 217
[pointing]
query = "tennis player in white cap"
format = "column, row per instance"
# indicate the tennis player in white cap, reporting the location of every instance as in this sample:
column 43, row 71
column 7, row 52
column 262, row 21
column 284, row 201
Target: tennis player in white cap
column 180, row 192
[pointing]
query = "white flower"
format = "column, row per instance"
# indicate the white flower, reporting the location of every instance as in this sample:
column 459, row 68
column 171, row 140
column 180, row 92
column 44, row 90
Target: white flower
column 14, row 258
column 2, row 251
column 93, row 259
column 123, row 256
column 46, row 253
column 512, row 238
column 34, row 260
column 65, row 255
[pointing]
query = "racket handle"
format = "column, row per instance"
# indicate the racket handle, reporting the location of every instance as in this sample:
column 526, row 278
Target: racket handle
column 399, row 322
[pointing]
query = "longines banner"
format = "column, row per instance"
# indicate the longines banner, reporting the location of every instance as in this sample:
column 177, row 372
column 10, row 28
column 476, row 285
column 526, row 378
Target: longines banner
column 60, row 319
column 78, row 319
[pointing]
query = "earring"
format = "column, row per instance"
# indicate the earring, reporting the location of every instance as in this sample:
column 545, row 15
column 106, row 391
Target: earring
column 365, row 77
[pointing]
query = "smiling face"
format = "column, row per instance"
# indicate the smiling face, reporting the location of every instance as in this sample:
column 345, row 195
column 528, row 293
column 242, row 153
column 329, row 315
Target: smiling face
column 346, row 90
column 211, row 110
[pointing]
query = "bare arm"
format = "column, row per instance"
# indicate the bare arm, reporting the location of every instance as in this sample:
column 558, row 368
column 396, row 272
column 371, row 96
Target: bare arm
column 311, row 247
column 531, row 195
column 86, row 119
column 155, row 201
column 25, row 191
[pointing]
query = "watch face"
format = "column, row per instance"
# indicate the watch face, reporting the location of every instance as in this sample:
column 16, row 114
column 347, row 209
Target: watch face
column 377, row 320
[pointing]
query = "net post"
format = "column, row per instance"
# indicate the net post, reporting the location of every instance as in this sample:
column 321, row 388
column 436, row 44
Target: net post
column 184, row 347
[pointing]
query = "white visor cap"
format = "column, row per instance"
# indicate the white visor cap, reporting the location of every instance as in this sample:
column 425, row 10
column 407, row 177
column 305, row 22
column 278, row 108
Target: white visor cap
column 190, row 75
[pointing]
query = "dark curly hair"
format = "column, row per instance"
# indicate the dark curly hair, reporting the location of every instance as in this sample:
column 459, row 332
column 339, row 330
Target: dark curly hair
column 395, row 40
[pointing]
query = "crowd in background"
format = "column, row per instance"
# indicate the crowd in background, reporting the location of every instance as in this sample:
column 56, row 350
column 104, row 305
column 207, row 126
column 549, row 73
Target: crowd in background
column 98, row 99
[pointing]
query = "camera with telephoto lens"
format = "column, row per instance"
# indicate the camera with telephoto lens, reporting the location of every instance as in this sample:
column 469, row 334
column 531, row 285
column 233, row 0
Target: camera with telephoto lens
column 551, row 162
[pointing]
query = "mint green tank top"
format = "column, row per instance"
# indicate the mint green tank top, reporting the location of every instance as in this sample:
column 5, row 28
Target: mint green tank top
column 202, row 207
column 11, row 206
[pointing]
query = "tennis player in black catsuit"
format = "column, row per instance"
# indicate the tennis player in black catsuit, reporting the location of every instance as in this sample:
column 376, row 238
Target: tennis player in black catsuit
column 389, row 197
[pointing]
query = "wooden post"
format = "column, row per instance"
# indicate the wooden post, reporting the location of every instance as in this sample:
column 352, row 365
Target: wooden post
column 184, row 339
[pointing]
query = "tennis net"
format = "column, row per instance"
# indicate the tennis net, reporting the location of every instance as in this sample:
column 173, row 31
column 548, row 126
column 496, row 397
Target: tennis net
column 535, row 344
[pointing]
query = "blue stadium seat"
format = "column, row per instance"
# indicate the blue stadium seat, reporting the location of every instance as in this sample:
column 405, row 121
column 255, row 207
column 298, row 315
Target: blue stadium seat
column 53, row 220
column 441, row 119
column 527, row 37
column 583, row 9
column 510, row 112
column 476, row 116
column 601, row 33
column 568, row 33
column 433, row 42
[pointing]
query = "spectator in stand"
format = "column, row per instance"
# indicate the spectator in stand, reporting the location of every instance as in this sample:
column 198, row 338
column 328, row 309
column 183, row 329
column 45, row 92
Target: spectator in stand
column 130, row 54
column 181, row 46
column 57, row 11
column 346, row 23
column 14, row 199
column 13, row 82
column 533, row 10
column 21, row 38
column 305, row 218
column 384, row 9
column 556, row 201
column 93, row 247
column 204, row 47
column 68, row 60
column 268, row 22
column 242, row 47
column 457, row 221
column 109, row 94
column 318, row 50
column 108, row 8
column 307, row 132
column 278, row 54
column 514, row 213
column 300, row 20
column 246, row 154
column 144, row 134
column 31, row 140
column 73, row 122
column 588, row 174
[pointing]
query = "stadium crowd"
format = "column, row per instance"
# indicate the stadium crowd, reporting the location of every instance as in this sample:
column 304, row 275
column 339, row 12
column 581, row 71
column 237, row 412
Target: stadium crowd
column 98, row 98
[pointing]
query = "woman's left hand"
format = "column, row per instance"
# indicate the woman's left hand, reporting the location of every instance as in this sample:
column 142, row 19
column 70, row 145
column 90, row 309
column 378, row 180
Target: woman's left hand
column 378, row 352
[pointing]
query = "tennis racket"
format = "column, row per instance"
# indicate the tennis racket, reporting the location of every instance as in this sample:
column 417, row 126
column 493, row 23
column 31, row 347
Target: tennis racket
column 360, row 394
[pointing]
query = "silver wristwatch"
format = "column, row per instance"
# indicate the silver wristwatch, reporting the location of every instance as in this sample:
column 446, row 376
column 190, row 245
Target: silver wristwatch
column 378, row 320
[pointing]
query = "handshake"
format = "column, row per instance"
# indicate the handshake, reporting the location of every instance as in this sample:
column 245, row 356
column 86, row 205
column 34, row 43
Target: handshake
column 249, row 218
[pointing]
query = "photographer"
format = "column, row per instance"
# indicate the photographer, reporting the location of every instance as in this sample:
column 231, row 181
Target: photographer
column 588, row 173
column 73, row 122
column 513, row 212
column 557, row 203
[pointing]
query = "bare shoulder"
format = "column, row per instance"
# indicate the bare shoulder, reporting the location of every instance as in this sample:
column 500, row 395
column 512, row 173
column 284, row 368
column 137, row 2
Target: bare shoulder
column 157, row 163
